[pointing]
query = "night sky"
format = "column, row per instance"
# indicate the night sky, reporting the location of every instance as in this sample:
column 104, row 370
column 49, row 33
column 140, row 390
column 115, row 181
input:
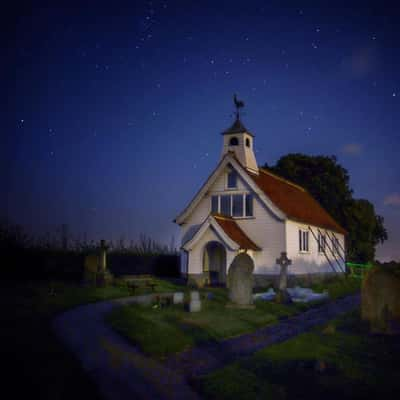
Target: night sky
column 119, row 110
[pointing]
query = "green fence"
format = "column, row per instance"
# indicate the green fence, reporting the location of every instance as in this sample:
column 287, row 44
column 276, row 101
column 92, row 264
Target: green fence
column 358, row 270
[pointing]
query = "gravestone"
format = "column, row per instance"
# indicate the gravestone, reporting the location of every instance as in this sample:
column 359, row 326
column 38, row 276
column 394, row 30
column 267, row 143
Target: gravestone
column 283, row 296
column 195, row 303
column 95, row 267
column 240, row 281
column 178, row 298
column 103, row 277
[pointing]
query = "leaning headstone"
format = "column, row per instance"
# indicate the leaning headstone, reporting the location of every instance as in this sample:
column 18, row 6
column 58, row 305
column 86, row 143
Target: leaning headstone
column 103, row 275
column 380, row 300
column 178, row 298
column 240, row 281
column 95, row 267
column 195, row 303
column 283, row 296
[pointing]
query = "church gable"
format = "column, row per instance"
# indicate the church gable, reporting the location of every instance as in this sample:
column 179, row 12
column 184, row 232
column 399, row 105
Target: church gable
column 219, row 195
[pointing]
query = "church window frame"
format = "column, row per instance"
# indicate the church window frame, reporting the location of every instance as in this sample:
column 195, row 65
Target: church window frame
column 304, row 241
column 236, row 205
column 231, row 179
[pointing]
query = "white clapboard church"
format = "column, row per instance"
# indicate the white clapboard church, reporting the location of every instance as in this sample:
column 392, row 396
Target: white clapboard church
column 244, row 208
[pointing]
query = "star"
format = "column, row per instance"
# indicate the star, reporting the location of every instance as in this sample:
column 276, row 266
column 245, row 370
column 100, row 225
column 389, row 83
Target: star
column 22, row 121
column 317, row 30
column 314, row 46
column 394, row 94
column 212, row 61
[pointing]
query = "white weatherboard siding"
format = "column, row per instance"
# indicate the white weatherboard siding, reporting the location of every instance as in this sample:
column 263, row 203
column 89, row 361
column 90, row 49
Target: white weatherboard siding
column 268, row 233
column 203, row 209
column 197, row 253
column 311, row 261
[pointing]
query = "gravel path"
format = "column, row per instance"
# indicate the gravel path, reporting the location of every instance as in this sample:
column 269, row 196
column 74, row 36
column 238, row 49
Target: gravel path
column 204, row 359
column 121, row 371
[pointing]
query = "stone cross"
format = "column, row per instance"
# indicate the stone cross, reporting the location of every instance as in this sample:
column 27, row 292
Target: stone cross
column 284, row 262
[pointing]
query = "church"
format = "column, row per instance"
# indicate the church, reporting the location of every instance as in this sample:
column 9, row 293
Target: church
column 244, row 208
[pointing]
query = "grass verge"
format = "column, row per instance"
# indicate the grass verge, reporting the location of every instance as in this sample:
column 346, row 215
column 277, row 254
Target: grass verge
column 339, row 360
column 39, row 365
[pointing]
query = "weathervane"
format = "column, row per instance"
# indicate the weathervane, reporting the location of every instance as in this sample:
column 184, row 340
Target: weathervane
column 238, row 104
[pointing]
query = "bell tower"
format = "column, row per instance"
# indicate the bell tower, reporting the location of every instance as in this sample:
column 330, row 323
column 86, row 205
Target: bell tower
column 239, row 140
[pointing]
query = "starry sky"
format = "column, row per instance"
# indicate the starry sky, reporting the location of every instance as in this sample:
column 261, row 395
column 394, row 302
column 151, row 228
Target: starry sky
column 119, row 107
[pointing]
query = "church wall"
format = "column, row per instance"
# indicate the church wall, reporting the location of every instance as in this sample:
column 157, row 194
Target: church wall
column 268, row 233
column 312, row 261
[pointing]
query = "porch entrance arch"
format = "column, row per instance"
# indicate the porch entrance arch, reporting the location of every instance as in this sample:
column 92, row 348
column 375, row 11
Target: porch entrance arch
column 214, row 263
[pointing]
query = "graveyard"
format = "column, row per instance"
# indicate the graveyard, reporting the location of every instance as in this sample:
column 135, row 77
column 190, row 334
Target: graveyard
column 181, row 329
column 216, row 342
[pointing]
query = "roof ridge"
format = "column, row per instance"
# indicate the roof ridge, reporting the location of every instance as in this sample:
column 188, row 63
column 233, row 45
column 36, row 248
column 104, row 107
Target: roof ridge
column 282, row 179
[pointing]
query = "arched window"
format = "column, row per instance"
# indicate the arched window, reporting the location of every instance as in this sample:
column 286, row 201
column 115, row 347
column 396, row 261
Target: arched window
column 247, row 142
column 234, row 141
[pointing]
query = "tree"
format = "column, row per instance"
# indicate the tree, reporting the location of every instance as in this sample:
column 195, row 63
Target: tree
column 328, row 182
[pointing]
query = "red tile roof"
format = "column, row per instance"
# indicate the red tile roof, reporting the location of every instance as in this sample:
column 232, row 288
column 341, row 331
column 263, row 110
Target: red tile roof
column 294, row 201
column 233, row 230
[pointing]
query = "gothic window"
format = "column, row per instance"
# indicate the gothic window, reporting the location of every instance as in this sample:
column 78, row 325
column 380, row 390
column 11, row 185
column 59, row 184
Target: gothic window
column 247, row 142
column 234, row 141
column 232, row 179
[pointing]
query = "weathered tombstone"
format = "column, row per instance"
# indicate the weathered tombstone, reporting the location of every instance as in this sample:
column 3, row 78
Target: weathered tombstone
column 380, row 300
column 103, row 256
column 95, row 267
column 178, row 298
column 283, row 295
column 240, row 281
column 195, row 303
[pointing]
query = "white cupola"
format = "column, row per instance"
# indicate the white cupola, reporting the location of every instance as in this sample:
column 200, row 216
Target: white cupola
column 239, row 140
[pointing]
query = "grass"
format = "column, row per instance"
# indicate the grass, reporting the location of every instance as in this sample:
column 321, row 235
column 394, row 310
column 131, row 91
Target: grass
column 41, row 366
column 340, row 360
column 179, row 330
column 339, row 287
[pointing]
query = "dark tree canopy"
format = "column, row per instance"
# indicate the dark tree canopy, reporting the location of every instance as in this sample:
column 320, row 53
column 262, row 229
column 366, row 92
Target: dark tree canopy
column 328, row 182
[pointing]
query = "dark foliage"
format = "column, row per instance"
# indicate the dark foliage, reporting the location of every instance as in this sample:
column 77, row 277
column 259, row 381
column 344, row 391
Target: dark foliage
column 328, row 182
column 26, row 258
